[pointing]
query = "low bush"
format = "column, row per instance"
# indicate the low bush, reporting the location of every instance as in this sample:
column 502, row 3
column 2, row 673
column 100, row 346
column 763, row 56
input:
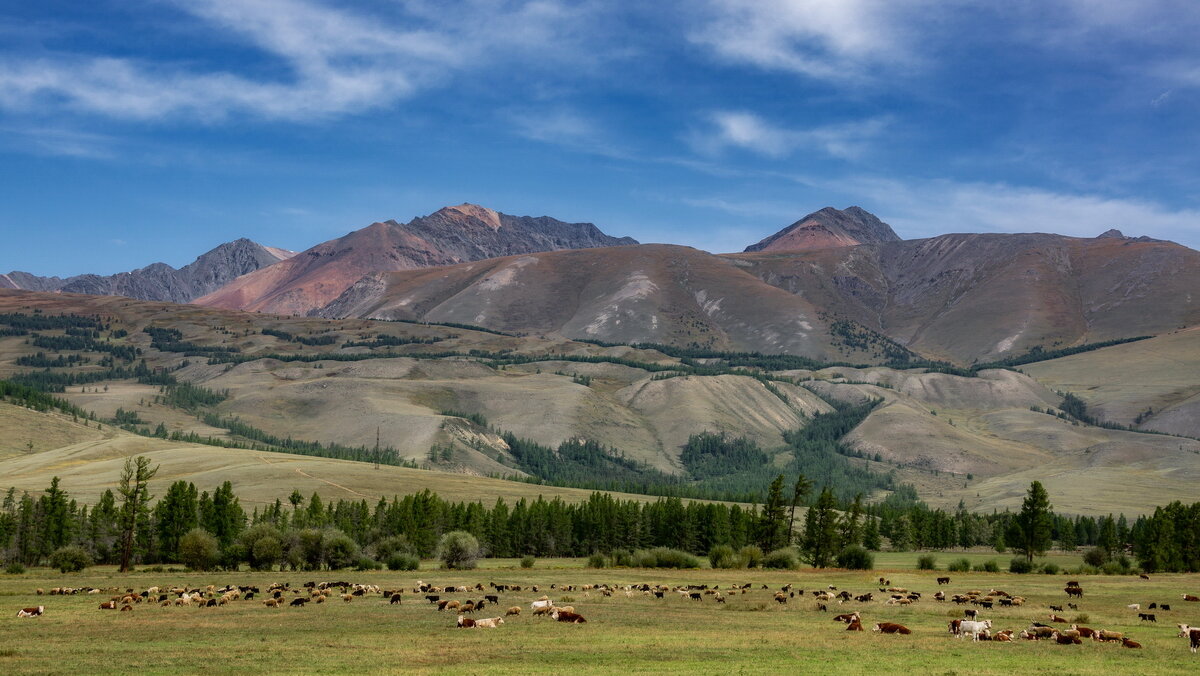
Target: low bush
column 787, row 559
column 1080, row 618
column 1020, row 565
column 458, row 550
column 927, row 562
column 959, row 566
column 199, row 550
column 663, row 557
column 622, row 557
column 15, row 568
column 855, row 557
column 723, row 556
column 751, row 556
column 367, row 563
column 1050, row 568
column 527, row 561
column 1095, row 557
column 402, row 561
column 597, row 560
column 70, row 559
column 989, row 566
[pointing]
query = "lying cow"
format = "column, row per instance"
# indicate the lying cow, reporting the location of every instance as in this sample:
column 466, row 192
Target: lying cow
column 37, row 612
column 891, row 628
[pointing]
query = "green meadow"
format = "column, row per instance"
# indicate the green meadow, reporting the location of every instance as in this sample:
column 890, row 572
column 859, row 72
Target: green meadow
column 751, row 633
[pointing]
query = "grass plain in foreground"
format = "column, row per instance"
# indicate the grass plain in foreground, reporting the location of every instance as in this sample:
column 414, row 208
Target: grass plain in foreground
column 639, row 634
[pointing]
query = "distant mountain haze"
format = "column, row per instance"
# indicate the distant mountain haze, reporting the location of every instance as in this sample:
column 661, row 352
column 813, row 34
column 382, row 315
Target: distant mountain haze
column 160, row 281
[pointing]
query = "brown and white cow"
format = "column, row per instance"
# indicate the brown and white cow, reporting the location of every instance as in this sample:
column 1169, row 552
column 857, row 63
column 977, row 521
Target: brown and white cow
column 37, row 611
column 1192, row 634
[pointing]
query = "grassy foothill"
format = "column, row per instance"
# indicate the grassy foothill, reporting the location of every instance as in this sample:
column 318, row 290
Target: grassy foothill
column 751, row 633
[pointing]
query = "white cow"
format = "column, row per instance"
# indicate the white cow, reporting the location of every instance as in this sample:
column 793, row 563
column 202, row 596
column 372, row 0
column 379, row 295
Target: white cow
column 973, row 628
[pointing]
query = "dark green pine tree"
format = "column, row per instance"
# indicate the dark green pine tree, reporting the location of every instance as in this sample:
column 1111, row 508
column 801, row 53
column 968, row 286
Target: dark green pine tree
column 175, row 514
column 772, row 521
column 820, row 542
column 1030, row 530
column 800, row 492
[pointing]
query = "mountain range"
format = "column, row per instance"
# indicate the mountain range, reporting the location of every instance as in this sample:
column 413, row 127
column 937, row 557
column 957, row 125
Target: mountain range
column 835, row 285
column 159, row 281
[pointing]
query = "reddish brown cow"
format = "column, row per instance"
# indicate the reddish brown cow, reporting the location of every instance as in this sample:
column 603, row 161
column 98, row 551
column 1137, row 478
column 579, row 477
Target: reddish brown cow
column 891, row 628
column 857, row 626
column 37, row 611
column 1130, row 643
column 568, row 616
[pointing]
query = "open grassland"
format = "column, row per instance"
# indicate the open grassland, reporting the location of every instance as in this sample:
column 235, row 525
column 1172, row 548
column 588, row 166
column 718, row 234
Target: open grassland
column 92, row 462
column 630, row 634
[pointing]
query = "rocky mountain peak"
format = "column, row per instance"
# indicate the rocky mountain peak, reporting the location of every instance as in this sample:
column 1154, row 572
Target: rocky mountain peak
column 829, row 228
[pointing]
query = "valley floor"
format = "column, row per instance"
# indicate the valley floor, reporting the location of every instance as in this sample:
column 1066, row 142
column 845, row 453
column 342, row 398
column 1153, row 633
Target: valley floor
column 638, row 634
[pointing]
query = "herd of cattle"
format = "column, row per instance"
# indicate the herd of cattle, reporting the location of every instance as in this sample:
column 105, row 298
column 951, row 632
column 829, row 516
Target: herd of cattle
column 970, row 625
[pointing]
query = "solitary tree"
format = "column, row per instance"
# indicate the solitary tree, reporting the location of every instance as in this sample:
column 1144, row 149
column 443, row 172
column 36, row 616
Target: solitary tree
column 1029, row 532
column 771, row 523
column 799, row 493
column 135, row 500
column 820, row 543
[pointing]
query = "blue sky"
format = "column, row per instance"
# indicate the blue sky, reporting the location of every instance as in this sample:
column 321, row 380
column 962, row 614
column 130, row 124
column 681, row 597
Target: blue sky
column 146, row 130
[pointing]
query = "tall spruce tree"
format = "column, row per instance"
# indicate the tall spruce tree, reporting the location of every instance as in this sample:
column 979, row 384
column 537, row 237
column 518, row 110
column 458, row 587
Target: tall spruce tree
column 1030, row 530
column 772, row 524
column 135, row 498
column 820, row 543
column 799, row 493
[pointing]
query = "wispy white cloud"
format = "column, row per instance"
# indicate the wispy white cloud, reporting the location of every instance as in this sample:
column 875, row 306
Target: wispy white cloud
column 566, row 128
column 828, row 39
column 336, row 60
column 745, row 130
column 928, row 208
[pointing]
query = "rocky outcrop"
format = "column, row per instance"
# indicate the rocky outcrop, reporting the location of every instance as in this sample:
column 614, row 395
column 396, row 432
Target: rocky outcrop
column 829, row 228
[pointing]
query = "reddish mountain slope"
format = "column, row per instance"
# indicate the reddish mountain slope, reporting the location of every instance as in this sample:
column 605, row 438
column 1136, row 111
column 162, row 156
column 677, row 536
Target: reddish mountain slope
column 829, row 228
column 467, row 232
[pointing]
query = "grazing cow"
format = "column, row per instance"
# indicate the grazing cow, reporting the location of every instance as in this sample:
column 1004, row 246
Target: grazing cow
column 891, row 628
column 1056, row 608
column 492, row 598
column 489, row 622
column 515, row 610
column 943, row 580
column 1144, row 576
column 1130, row 643
column 695, row 596
column 1165, row 606
column 953, row 626
column 973, row 628
column 971, row 614
column 465, row 622
column 1192, row 634
column 433, row 598
column 1074, row 592
column 568, row 616
column 1189, row 597
column 1147, row 617
column 1152, row 606
column 298, row 602
column 1073, row 606
column 396, row 598
column 36, row 612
